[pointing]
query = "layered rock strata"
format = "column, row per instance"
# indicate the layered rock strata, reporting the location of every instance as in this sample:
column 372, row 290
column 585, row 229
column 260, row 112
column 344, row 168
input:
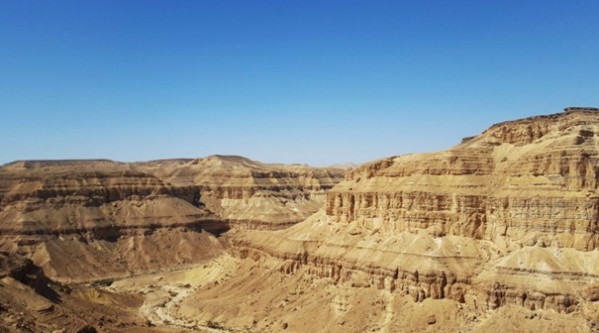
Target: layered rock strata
column 532, row 181
column 249, row 193
column 508, row 217
column 98, row 219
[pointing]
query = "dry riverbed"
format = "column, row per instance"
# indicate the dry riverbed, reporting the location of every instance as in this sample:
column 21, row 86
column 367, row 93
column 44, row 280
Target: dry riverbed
column 163, row 293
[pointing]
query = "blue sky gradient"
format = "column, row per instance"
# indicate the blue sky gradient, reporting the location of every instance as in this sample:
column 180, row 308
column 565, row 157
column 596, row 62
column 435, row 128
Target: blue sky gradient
column 316, row 82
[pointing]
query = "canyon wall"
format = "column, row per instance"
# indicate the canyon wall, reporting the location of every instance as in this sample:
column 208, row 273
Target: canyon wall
column 499, row 231
column 505, row 218
column 251, row 194
column 522, row 182
column 97, row 219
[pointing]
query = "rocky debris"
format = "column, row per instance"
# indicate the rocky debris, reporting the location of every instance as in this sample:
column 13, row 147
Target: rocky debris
column 580, row 109
column 30, row 302
column 87, row 329
column 430, row 320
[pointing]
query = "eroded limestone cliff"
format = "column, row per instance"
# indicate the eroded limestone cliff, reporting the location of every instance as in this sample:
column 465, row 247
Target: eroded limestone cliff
column 97, row 219
column 498, row 233
column 506, row 218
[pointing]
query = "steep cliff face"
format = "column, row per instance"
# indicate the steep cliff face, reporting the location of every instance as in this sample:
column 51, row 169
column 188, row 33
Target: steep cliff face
column 497, row 233
column 536, row 176
column 505, row 219
column 85, row 220
column 89, row 220
column 69, row 196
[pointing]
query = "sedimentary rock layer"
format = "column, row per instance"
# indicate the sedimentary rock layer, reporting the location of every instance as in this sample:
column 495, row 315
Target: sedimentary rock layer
column 506, row 217
column 97, row 219
column 533, row 177
column 250, row 193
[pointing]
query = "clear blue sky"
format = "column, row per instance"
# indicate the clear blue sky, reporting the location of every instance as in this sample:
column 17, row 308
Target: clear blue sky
column 316, row 82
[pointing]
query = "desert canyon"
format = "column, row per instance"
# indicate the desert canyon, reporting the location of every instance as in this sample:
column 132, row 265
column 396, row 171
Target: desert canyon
column 499, row 233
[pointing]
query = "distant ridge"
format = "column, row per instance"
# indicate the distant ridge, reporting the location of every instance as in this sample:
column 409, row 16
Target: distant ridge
column 30, row 163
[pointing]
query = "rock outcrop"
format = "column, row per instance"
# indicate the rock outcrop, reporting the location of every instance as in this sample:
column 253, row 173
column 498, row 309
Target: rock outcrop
column 497, row 233
column 506, row 218
column 532, row 181
column 97, row 219
column 30, row 302
column 249, row 193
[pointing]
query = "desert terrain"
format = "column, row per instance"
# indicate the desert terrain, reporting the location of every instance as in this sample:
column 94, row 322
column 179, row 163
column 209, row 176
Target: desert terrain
column 499, row 233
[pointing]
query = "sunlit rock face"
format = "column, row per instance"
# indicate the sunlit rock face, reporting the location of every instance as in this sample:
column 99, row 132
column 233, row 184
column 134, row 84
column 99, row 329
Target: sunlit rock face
column 96, row 219
column 251, row 194
column 506, row 218
column 530, row 181
column 498, row 233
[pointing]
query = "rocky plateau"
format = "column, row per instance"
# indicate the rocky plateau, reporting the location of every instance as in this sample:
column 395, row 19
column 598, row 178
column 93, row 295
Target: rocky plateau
column 498, row 233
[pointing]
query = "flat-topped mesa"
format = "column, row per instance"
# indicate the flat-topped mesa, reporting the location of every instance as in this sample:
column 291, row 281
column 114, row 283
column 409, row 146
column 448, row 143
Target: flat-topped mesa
column 580, row 109
column 529, row 181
